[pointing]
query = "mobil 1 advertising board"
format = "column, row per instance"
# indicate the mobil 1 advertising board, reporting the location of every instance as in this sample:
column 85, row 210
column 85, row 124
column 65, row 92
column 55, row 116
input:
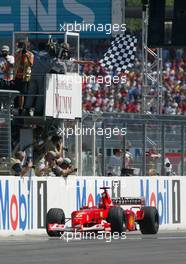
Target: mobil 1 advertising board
column 168, row 195
column 23, row 205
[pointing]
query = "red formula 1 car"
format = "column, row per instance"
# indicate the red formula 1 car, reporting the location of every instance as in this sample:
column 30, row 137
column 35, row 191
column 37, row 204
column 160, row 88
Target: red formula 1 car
column 108, row 216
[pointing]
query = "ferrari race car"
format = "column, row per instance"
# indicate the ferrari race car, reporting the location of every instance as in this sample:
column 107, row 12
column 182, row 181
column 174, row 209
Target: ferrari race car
column 109, row 215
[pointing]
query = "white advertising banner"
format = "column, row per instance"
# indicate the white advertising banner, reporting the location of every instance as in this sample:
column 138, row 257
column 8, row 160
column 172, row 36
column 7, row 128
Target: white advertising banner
column 63, row 96
column 22, row 205
column 25, row 202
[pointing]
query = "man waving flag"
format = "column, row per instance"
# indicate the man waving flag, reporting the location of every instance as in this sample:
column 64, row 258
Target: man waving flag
column 120, row 55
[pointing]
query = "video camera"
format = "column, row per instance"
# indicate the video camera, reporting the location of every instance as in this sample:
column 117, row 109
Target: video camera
column 64, row 53
column 22, row 46
column 168, row 167
column 58, row 50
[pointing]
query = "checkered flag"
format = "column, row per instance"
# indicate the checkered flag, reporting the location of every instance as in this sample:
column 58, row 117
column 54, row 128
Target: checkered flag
column 121, row 54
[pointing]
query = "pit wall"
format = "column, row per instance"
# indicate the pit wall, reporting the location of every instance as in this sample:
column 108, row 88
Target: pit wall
column 24, row 202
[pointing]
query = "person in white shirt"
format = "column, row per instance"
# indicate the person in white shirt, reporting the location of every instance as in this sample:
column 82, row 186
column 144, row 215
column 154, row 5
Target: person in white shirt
column 6, row 64
column 116, row 162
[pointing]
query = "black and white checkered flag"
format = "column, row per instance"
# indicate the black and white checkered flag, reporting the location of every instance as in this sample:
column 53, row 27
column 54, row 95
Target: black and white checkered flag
column 121, row 54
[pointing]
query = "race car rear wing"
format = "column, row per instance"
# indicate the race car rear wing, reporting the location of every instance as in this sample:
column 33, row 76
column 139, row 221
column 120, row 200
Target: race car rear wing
column 128, row 201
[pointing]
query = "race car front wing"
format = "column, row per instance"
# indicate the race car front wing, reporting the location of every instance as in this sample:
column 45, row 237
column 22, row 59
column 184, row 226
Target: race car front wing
column 103, row 226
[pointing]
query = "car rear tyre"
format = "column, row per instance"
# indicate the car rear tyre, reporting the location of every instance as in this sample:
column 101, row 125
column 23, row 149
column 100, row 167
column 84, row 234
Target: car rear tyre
column 150, row 222
column 116, row 218
column 54, row 215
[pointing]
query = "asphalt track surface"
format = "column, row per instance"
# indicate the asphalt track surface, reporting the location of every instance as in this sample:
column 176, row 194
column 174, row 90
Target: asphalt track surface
column 162, row 248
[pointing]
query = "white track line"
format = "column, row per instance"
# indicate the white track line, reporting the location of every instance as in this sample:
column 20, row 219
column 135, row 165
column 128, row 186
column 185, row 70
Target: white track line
column 174, row 237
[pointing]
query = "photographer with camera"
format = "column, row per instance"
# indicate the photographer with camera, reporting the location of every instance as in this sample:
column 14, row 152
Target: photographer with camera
column 60, row 54
column 56, row 145
column 6, row 67
column 52, row 166
column 21, row 166
column 168, row 167
column 6, row 73
column 24, row 60
column 66, row 167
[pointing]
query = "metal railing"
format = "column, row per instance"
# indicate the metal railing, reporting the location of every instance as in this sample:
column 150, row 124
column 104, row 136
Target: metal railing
column 6, row 97
column 149, row 141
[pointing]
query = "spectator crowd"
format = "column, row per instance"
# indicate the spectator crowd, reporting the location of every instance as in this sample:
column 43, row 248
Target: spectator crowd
column 127, row 96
